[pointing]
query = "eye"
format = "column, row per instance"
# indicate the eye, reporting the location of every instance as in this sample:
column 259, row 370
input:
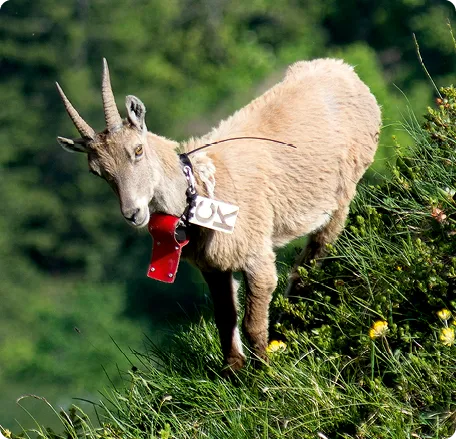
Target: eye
column 139, row 151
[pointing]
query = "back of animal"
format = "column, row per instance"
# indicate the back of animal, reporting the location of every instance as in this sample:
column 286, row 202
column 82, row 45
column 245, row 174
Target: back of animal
column 329, row 114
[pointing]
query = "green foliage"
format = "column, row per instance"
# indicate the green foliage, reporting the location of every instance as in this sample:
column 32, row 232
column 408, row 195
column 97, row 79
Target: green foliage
column 439, row 121
column 395, row 257
column 175, row 393
column 394, row 263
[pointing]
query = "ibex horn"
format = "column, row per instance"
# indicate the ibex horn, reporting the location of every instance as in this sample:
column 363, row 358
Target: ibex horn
column 86, row 131
column 112, row 116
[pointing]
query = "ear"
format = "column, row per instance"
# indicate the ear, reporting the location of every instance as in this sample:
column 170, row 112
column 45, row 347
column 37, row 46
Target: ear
column 136, row 112
column 70, row 145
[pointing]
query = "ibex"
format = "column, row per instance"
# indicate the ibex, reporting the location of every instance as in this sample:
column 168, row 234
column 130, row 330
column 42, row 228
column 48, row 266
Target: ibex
column 321, row 107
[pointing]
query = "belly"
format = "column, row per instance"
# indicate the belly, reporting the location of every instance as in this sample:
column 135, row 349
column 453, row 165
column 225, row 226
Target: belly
column 295, row 227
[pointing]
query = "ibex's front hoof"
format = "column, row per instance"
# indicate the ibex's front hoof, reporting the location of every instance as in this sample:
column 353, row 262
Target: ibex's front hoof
column 233, row 364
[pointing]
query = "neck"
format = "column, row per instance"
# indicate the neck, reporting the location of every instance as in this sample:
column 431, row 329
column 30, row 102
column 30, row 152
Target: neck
column 169, row 195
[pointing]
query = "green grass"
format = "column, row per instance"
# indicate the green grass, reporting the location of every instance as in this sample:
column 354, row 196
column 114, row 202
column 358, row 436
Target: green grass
column 300, row 394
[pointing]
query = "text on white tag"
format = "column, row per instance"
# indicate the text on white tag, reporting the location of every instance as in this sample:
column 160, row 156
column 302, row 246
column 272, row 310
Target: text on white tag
column 214, row 214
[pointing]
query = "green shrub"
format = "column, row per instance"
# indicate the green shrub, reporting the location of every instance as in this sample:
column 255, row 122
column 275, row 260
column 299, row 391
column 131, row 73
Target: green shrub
column 385, row 295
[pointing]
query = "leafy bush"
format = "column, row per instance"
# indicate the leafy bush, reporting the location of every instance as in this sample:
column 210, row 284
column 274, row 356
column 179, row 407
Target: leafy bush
column 384, row 297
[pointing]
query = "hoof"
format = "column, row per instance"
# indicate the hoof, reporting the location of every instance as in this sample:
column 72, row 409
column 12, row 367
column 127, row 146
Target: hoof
column 233, row 364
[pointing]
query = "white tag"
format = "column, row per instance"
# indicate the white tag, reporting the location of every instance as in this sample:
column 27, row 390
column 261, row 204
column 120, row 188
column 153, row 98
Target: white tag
column 214, row 214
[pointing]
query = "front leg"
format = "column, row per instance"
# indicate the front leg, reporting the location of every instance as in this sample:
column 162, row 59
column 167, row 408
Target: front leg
column 260, row 277
column 224, row 296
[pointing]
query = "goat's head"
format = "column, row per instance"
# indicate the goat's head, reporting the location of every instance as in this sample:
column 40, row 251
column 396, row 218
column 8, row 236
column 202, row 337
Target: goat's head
column 119, row 154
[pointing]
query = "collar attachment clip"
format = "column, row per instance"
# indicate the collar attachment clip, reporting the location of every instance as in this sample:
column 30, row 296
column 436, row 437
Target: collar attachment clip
column 191, row 192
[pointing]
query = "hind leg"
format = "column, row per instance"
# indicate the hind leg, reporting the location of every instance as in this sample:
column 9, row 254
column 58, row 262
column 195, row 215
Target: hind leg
column 316, row 247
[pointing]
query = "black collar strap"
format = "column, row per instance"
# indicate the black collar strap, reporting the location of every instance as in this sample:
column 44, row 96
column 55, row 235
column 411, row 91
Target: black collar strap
column 191, row 192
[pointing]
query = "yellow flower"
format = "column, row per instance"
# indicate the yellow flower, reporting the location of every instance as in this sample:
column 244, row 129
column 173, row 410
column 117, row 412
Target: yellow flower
column 447, row 336
column 444, row 314
column 276, row 346
column 7, row 433
column 379, row 329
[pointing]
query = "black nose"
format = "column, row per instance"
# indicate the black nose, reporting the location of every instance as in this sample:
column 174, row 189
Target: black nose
column 131, row 215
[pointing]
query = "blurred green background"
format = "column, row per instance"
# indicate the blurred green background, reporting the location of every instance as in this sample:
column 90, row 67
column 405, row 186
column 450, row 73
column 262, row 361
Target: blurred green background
column 72, row 273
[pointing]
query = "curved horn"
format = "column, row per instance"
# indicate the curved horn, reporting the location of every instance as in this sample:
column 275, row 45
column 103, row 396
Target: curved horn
column 112, row 116
column 85, row 130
